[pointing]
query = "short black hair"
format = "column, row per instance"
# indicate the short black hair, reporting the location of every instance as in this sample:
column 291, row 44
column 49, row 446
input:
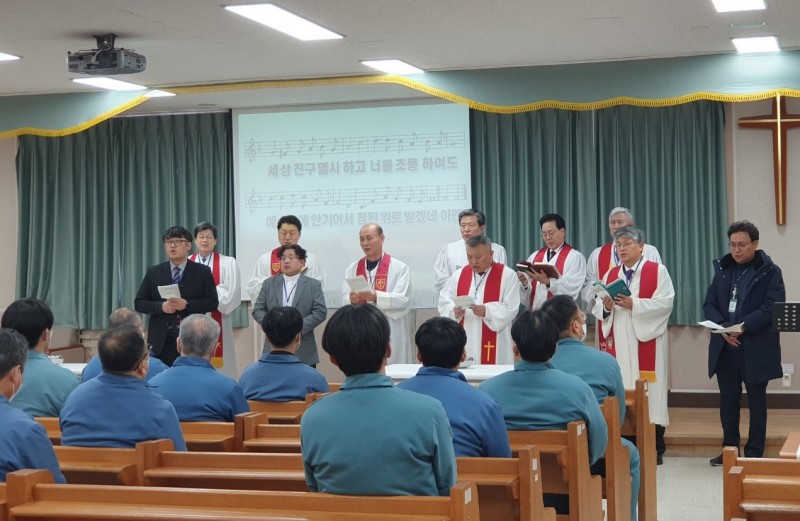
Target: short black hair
column 203, row 226
column 298, row 250
column 357, row 336
column 479, row 240
column 441, row 342
column 470, row 212
column 13, row 351
column 562, row 309
column 535, row 335
column 176, row 232
column 121, row 349
column 546, row 218
column 744, row 226
column 281, row 325
column 290, row 219
column 29, row 317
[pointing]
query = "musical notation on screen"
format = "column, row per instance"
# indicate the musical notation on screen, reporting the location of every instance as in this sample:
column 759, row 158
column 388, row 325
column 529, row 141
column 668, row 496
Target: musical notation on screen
column 355, row 197
column 359, row 145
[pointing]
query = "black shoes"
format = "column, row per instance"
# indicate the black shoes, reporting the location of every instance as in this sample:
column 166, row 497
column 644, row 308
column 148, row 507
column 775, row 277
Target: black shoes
column 659, row 459
column 716, row 462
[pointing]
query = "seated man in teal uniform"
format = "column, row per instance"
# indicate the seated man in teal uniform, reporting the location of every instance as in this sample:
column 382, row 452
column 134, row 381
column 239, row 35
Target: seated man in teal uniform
column 46, row 384
column 280, row 376
column 476, row 419
column 123, row 317
column 537, row 396
column 23, row 442
column 197, row 391
column 118, row 408
column 597, row 368
column 371, row 438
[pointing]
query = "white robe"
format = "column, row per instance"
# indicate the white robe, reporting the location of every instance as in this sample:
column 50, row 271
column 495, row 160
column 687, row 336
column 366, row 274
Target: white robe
column 650, row 252
column 229, row 293
column 499, row 315
column 454, row 256
column 647, row 320
column 263, row 270
column 395, row 303
column 569, row 283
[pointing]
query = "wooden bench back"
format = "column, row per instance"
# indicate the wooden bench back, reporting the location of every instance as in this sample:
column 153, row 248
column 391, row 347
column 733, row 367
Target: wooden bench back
column 109, row 466
column 31, row 494
column 53, row 428
column 565, row 468
column 271, row 438
column 217, row 436
column 617, row 481
column 3, row 516
column 760, row 488
column 637, row 424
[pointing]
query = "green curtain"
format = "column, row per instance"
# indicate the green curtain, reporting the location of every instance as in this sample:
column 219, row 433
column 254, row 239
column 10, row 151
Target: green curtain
column 93, row 206
column 666, row 164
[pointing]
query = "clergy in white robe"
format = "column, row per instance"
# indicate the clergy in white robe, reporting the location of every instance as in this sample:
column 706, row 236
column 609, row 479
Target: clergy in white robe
column 605, row 257
column 477, row 279
column 390, row 290
column 634, row 329
column 454, row 255
column 289, row 232
column 536, row 287
column 229, row 291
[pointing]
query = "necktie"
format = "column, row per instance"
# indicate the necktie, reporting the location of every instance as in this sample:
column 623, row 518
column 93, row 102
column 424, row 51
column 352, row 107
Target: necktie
column 176, row 275
column 550, row 254
column 629, row 275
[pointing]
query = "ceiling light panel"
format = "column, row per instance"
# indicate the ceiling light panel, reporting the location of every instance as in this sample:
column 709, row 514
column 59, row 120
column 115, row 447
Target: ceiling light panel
column 393, row 67
column 109, row 84
column 729, row 6
column 281, row 20
column 7, row 57
column 759, row 44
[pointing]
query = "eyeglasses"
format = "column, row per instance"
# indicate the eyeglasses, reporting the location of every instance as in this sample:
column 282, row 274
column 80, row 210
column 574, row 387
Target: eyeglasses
column 205, row 237
column 739, row 245
column 176, row 242
column 626, row 245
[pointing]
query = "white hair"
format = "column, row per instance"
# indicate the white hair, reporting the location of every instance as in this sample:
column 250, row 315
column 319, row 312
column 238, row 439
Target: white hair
column 622, row 209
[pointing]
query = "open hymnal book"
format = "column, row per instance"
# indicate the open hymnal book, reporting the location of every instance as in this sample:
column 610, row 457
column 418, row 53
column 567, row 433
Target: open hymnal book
column 716, row 328
column 618, row 287
column 548, row 269
column 170, row 291
column 463, row 301
column 358, row 284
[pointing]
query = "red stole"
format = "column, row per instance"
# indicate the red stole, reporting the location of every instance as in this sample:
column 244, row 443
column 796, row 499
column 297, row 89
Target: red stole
column 275, row 262
column 381, row 280
column 604, row 260
column 216, row 353
column 648, row 281
column 561, row 258
column 491, row 293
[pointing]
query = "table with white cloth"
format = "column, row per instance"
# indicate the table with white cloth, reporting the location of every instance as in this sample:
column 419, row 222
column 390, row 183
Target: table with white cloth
column 475, row 374
column 76, row 368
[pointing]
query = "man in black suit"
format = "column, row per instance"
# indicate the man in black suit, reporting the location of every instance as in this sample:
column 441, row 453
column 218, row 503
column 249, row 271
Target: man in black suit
column 197, row 288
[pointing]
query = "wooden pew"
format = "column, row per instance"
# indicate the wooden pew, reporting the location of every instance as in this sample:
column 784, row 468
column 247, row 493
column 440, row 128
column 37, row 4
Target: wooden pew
column 617, row 481
column 791, row 447
column 3, row 516
column 760, row 489
column 109, row 466
column 53, row 428
column 216, row 436
column 271, row 438
column 509, row 488
column 31, row 495
column 565, row 468
column 637, row 424
column 283, row 412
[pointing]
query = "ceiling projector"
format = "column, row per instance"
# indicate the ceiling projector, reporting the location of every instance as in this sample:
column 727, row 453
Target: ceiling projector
column 106, row 59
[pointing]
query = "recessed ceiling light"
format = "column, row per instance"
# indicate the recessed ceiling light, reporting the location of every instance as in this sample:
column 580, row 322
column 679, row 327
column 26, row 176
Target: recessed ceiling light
column 759, row 44
column 283, row 21
column 159, row 94
column 8, row 57
column 109, row 84
column 393, row 66
column 747, row 25
column 728, row 6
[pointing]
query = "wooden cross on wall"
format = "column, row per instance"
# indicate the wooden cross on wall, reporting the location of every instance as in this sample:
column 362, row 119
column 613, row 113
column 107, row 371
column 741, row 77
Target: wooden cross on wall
column 778, row 121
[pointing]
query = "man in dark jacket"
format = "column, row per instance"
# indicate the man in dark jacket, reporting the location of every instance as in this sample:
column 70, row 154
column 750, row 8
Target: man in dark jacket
column 746, row 284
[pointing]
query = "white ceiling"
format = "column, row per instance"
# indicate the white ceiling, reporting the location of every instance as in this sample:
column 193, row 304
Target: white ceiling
column 190, row 42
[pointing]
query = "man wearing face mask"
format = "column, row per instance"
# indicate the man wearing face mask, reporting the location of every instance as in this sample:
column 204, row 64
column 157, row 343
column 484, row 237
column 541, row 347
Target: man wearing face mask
column 598, row 369
column 23, row 442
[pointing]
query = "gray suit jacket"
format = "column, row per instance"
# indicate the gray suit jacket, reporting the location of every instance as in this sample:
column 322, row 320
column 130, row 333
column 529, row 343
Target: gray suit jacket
column 307, row 299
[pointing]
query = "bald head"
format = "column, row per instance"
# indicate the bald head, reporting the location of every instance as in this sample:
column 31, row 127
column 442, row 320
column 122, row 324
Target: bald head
column 125, row 317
